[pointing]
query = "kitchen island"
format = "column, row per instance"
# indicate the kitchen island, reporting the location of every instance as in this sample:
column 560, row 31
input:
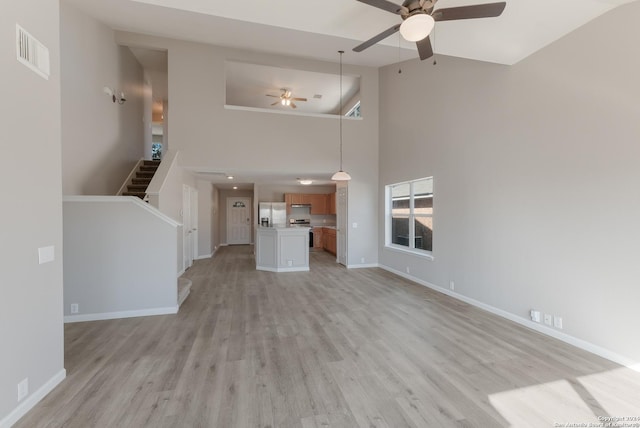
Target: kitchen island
column 282, row 249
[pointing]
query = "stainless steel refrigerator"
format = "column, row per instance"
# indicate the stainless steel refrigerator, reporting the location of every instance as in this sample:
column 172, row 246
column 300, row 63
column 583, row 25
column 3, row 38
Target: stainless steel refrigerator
column 272, row 214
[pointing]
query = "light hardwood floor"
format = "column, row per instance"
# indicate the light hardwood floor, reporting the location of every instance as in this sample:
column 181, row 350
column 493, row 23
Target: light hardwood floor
column 327, row 348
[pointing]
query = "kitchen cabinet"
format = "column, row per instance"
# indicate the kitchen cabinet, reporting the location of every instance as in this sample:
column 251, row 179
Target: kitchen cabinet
column 318, row 203
column 317, row 238
column 329, row 240
column 331, row 203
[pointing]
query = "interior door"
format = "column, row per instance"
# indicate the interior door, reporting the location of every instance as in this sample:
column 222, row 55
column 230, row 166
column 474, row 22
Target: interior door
column 193, row 214
column 187, row 242
column 341, row 220
column 238, row 221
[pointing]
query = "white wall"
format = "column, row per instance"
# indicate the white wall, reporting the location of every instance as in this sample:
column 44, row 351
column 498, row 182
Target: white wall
column 31, row 303
column 119, row 259
column 536, row 177
column 210, row 136
column 101, row 140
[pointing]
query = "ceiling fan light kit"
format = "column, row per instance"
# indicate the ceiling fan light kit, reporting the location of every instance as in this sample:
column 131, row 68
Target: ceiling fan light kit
column 417, row 27
column 419, row 18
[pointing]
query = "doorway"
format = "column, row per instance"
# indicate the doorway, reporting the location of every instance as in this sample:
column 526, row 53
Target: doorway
column 238, row 221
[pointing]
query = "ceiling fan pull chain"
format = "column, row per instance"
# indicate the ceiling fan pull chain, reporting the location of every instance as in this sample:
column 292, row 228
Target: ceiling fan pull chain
column 434, row 45
column 399, row 69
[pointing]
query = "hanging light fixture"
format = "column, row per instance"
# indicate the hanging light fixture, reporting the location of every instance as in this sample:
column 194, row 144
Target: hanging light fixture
column 341, row 175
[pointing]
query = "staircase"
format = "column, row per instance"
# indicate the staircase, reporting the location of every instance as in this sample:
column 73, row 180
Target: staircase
column 141, row 179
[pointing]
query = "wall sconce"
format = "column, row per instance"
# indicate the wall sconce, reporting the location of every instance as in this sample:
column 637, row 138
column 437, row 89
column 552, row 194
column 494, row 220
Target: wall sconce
column 120, row 99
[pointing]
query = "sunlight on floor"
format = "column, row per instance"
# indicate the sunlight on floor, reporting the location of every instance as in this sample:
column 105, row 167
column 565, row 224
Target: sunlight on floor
column 608, row 399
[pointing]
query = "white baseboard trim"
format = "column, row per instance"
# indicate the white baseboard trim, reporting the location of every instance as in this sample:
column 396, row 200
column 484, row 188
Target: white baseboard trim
column 540, row 328
column 181, row 272
column 282, row 269
column 206, row 256
column 121, row 314
column 363, row 265
column 32, row 400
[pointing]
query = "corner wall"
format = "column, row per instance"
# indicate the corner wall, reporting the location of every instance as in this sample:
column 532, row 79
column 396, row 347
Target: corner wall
column 102, row 140
column 31, row 305
column 536, row 178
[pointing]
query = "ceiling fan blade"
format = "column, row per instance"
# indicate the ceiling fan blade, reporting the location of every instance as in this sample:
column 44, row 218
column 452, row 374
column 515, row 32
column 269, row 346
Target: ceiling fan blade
column 488, row 10
column 385, row 5
column 275, row 96
column 298, row 99
column 277, row 102
column 372, row 41
column 424, row 48
column 293, row 105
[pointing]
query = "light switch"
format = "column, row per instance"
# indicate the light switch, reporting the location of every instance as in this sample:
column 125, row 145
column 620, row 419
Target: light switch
column 46, row 254
column 355, row 225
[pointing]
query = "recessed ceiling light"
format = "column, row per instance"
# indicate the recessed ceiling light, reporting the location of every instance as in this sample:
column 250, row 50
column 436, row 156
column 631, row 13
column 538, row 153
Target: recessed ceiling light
column 305, row 182
column 235, row 187
column 230, row 177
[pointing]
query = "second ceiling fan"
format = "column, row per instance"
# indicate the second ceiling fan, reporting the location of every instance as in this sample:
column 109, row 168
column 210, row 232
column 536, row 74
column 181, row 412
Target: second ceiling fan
column 286, row 99
column 418, row 19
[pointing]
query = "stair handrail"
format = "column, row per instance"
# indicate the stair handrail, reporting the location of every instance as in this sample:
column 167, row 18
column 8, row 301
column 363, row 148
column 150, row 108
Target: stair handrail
column 123, row 188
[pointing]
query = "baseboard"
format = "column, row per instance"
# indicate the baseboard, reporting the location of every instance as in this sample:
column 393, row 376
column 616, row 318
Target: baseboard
column 206, row 256
column 540, row 328
column 181, row 272
column 121, row 314
column 32, row 400
column 363, row 265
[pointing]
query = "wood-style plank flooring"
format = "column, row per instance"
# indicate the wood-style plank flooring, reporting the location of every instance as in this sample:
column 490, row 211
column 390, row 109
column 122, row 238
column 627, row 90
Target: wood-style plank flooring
column 327, row 348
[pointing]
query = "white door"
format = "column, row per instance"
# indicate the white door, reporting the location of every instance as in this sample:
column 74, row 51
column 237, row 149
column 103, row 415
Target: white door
column 341, row 220
column 187, row 246
column 193, row 198
column 238, row 221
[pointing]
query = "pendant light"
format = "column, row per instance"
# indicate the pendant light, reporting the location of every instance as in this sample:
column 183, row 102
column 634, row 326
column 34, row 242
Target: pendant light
column 341, row 175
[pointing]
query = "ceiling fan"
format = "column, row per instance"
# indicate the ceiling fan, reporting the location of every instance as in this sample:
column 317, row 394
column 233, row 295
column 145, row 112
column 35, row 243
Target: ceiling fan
column 286, row 99
column 418, row 19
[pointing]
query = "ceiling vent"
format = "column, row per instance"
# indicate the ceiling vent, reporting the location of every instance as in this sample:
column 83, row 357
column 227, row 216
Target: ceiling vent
column 32, row 53
column 317, row 96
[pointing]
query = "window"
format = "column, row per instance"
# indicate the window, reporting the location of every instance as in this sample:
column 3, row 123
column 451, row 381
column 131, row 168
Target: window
column 410, row 215
column 355, row 111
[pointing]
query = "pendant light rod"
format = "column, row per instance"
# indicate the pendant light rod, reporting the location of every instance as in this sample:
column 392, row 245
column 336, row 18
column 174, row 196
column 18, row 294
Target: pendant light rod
column 340, row 52
column 341, row 175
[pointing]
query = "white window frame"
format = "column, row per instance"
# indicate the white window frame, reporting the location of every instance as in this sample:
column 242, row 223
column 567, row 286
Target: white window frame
column 389, row 245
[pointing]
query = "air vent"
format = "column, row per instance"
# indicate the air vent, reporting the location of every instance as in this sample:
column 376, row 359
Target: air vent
column 32, row 53
column 317, row 96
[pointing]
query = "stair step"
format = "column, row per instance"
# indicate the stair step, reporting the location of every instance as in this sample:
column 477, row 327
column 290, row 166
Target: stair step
column 151, row 162
column 143, row 174
column 149, row 168
column 143, row 180
column 140, row 195
column 137, row 187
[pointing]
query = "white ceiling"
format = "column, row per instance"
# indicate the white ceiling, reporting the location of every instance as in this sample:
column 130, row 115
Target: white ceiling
column 318, row 28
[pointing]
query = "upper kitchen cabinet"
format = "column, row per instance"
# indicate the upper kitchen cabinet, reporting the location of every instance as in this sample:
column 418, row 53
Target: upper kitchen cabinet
column 318, row 203
column 331, row 203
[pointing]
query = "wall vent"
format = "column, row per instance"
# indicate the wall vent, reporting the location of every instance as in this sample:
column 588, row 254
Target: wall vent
column 32, row 53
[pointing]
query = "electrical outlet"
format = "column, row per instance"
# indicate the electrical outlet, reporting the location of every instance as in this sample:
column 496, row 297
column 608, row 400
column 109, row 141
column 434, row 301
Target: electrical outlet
column 535, row 315
column 362, row 260
column 557, row 322
column 289, row 262
column 452, row 285
column 547, row 319
column 355, row 225
column 23, row 389
column 75, row 308
column 408, row 270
